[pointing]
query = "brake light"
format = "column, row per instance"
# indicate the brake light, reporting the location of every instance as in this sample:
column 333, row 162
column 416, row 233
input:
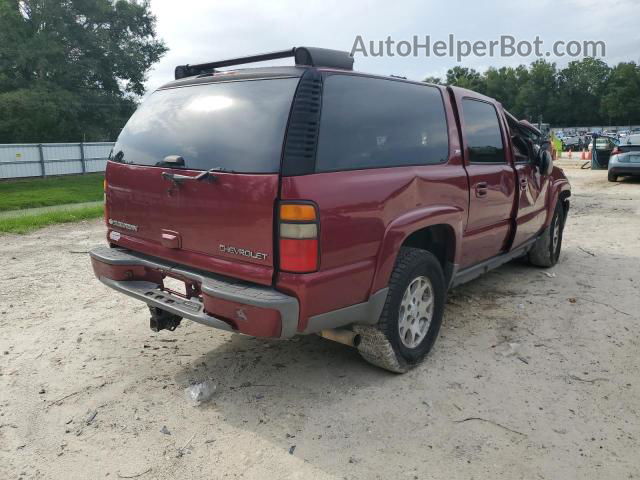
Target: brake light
column 616, row 151
column 298, row 237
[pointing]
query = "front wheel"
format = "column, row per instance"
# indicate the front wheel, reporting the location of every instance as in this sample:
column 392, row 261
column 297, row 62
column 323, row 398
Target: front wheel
column 412, row 314
column 546, row 250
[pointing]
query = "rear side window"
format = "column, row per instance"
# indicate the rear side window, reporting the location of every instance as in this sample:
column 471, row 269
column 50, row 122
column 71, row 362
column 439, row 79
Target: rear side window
column 237, row 126
column 482, row 132
column 375, row 123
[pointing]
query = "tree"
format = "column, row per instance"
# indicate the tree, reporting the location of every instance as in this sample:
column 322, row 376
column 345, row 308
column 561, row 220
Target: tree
column 466, row 78
column 72, row 68
column 581, row 86
column 538, row 92
column 503, row 85
column 434, row 80
column 621, row 103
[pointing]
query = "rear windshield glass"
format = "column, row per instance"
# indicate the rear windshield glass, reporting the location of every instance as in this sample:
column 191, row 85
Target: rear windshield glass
column 237, row 126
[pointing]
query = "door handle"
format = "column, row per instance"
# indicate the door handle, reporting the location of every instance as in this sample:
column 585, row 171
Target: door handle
column 523, row 184
column 481, row 189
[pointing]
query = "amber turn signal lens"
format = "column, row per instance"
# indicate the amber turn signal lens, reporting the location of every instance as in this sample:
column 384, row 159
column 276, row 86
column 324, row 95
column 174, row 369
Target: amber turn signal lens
column 297, row 212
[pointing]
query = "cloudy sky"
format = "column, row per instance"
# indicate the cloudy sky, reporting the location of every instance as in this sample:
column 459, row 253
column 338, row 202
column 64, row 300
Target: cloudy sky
column 200, row 30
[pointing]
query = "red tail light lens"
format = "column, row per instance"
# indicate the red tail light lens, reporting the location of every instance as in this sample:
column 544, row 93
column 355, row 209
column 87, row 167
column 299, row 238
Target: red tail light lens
column 299, row 256
column 616, row 151
column 298, row 237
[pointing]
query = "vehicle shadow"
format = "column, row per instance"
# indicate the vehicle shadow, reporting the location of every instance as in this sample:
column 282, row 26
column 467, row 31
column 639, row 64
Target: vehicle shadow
column 631, row 180
column 298, row 395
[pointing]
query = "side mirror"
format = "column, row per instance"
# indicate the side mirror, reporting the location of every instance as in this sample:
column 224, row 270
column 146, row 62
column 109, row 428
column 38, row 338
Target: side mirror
column 544, row 161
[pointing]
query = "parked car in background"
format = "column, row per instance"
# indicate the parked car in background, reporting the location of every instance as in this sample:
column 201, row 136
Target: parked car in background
column 573, row 142
column 625, row 158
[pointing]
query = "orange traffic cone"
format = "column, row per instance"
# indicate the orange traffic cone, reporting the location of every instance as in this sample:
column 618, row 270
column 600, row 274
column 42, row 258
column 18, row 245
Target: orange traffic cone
column 589, row 155
column 569, row 153
column 584, row 154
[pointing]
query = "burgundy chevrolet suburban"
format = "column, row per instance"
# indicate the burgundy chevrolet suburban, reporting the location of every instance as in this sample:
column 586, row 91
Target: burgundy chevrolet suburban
column 314, row 199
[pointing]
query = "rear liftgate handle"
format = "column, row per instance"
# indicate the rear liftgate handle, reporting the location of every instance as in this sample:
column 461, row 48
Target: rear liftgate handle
column 170, row 239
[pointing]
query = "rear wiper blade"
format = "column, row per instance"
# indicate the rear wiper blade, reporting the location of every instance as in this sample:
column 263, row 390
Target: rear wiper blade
column 176, row 178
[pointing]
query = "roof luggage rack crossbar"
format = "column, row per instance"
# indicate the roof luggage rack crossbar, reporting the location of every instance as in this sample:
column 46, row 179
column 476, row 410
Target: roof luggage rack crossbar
column 314, row 57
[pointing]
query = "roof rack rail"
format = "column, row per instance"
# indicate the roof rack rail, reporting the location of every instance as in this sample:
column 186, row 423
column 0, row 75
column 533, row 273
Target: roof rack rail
column 314, row 57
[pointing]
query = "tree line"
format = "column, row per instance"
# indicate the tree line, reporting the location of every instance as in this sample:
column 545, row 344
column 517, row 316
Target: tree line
column 586, row 92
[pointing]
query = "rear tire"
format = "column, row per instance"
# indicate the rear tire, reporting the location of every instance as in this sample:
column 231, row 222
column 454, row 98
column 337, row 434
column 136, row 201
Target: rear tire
column 546, row 250
column 611, row 177
column 412, row 314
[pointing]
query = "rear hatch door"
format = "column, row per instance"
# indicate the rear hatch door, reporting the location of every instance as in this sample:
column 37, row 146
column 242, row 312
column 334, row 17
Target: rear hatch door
column 230, row 135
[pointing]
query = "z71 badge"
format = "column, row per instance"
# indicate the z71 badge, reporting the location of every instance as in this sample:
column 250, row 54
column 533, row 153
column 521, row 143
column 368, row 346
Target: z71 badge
column 243, row 252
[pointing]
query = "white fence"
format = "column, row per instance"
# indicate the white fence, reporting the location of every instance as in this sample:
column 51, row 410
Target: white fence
column 41, row 160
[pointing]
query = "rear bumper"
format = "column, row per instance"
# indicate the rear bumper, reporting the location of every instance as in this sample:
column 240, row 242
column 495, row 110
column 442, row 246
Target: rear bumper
column 223, row 303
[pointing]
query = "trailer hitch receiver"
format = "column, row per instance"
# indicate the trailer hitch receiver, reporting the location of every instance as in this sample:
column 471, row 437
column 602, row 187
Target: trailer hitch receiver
column 163, row 320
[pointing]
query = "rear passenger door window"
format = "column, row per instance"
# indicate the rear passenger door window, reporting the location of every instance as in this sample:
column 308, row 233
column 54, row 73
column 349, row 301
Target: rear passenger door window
column 482, row 132
column 375, row 123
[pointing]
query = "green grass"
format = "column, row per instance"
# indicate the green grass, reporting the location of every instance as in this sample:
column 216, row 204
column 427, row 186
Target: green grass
column 45, row 192
column 28, row 223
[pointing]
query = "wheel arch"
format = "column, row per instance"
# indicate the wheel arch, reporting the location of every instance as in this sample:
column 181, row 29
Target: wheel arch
column 435, row 229
column 564, row 198
column 560, row 191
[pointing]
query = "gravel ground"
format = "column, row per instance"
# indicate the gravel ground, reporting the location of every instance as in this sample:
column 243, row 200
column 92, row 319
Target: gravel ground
column 535, row 375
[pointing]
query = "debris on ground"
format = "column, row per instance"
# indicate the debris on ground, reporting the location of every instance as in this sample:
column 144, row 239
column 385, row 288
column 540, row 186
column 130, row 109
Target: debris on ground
column 201, row 392
column 91, row 416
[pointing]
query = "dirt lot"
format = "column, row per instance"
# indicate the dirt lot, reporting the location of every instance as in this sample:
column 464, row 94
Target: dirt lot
column 536, row 375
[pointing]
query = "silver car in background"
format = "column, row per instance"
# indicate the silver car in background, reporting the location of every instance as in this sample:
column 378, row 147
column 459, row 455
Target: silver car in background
column 625, row 158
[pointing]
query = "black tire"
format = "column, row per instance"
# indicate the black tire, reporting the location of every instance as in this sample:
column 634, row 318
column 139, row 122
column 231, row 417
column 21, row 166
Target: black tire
column 611, row 177
column 381, row 344
column 544, row 252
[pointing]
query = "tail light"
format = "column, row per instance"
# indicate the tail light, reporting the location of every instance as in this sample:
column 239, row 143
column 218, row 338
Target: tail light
column 616, row 151
column 298, row 237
